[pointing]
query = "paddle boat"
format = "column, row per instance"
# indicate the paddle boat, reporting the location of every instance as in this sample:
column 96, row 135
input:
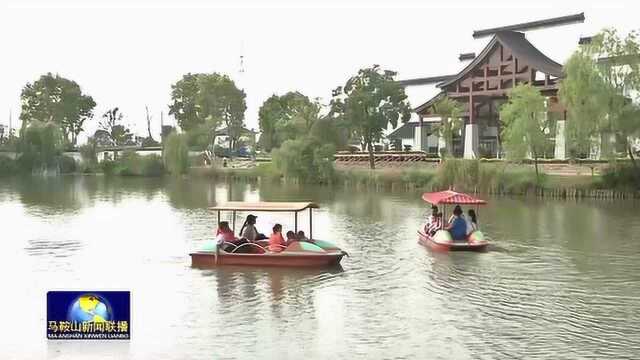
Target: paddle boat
column 313, row 253
column 441, row 240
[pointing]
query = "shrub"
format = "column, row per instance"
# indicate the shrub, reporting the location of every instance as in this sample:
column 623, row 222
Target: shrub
column 306, row 160
column 620, row 176
column 462, row 174
column 108, row 167
column 67, row 165
column 8, row 166
column 152, row 165
column 88, row 153
column 132, row 164
column 176, row 154
column 149, row 142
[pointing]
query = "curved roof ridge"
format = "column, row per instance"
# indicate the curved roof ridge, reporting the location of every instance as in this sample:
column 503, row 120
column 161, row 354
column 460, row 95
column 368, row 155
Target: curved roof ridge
column 523, row 48
column 520, row 46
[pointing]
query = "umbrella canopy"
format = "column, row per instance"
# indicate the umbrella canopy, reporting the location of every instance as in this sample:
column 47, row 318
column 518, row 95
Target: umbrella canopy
column 451, row 197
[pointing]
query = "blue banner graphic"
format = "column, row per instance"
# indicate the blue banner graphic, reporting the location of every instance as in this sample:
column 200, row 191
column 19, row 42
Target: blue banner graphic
column 88, row 315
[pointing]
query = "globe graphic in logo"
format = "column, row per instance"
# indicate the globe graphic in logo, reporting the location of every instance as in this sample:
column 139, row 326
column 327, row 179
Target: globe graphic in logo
column 89, row 307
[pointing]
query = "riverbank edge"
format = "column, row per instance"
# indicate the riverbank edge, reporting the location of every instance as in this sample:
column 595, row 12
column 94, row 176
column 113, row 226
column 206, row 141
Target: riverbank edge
column 554, row 186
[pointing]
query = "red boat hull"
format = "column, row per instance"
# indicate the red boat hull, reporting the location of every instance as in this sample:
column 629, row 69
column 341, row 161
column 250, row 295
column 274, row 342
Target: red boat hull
column 428, row 242
column 284, row 259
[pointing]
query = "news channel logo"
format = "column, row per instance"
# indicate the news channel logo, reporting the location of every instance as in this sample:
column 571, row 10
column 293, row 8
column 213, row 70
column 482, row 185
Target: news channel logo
column 88, row 315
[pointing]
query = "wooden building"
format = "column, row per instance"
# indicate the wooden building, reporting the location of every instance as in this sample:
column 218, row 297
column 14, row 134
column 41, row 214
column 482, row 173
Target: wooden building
column 483, row 85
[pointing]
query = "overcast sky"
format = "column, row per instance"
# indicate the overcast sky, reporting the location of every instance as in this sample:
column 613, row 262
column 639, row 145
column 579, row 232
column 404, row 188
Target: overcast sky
column 128, row 53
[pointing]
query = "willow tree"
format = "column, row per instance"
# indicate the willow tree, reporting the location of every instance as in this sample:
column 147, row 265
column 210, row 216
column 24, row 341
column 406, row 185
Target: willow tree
column 525, row 124
column 41, row 145
column 581, row 91
column 368, row 103
column 601, row 80
column 176, row 154
column 449, row 111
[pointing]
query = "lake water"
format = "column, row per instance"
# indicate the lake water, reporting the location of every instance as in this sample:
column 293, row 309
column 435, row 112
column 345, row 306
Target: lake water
column 562, row 280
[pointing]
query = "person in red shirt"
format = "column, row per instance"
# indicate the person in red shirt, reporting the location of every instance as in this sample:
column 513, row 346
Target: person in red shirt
column 224, row 234
column 276, row 241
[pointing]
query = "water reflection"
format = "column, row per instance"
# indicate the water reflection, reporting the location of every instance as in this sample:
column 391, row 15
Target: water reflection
column 43, row 247
column 562, row 278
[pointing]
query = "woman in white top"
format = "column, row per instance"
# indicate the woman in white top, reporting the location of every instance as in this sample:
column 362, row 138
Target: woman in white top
column 472, row 221
column 249, row 231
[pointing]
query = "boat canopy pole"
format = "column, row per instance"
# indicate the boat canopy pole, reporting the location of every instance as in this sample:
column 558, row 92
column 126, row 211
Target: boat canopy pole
column 444, row 216
column 310, row 223
column 218, row 218
column 233, row 221
column 296, row 223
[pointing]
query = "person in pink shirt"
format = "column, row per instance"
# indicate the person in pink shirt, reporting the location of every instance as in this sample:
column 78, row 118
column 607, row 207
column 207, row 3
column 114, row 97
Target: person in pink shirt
column 276, row 241
column 224, row 234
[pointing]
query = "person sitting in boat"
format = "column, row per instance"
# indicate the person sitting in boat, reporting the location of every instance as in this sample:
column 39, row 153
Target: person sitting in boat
column 224, row 234
column 472, row 221
column 303, row 237
column 457, row 225
column 276, row 241
column 291, row 237
column 434, row 221
column 453, row 214
column 249, row 231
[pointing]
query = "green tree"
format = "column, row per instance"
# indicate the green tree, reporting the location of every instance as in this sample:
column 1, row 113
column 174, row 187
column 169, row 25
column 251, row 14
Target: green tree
column 306, row 159
column 368, row 103
column 525, row 124
column 449, row 111
column 219, row 98
column 58, row 100
column 112, row 123
column 601, row 80
column 202, row 137
column 330, row 131
column 286, row 117
column 184, row 106
column 198, row 99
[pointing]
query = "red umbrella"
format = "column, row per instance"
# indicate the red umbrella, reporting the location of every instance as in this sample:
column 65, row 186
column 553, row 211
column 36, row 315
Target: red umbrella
column 451, row 197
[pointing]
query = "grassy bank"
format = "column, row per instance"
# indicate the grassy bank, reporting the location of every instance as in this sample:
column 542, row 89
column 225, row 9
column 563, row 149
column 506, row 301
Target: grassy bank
column 467, row 176
column 264, row 170
column 462, row 175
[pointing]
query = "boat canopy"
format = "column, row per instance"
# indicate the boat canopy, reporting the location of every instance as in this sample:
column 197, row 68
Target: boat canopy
column 451, row 197
column 264, row 206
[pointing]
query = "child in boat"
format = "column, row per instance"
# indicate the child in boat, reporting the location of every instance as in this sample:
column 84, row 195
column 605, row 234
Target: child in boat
column 224, row 234
column 434, row 221
column 472, row 221
column 276, row 241
column 457, row 225
column 303, row 237
column 291, row 237
column 436, row 225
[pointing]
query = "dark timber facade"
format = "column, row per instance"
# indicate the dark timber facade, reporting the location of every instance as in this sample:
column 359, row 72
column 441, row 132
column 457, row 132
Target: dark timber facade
column 508, row 60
